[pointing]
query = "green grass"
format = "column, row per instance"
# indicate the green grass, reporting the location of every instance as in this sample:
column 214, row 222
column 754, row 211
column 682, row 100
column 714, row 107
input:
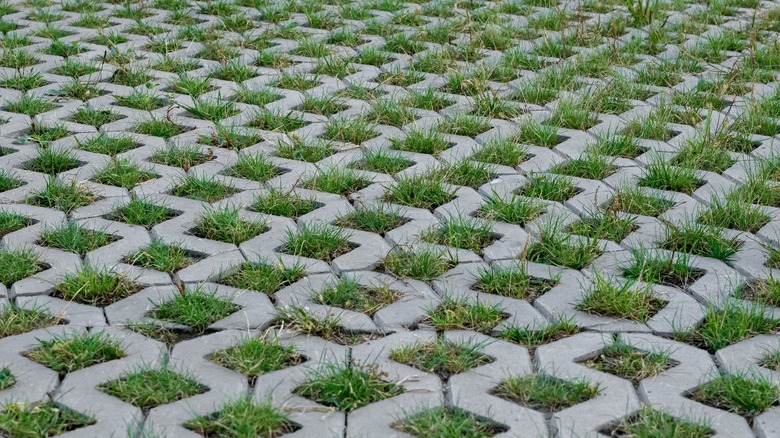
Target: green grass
column 141, row 101
column 72, row 237
column 512, row 209
column 47, row 419
column 634, row 200
column 550, row 188
column 158, row 128
column 348, row 294
column 53, row 161
column 212, row 110
column 545, row 392
column 379, row 219
column 421, row 191
column 742, row 394
column 205, row 188
column 176, row 155
column 17, row 264
column 771, row 360
column 459, row 314
column 10, row 222
column 346, row 388
column 422, row 142
column 226, row 225
column 730, row 212
column 608, row 225
column 30, row 105
column 467, row 173
column 662, row 175
column 659, row 268
column 309, row 151
column 652, row 423
column 441, row 357
column 197, row 309
column 44, row 135
column 122, row 173
column 142, row 212
column 765, row 292
column 464, row 124
column 231, row 137
column 95, row 287
column 15, row 320
column 501, row 151
column 349, row 130
column 7, row 379
column 108, row 144
column 626, row 362
column 421, row 264
column 700, row 239
column 263, row 276
column 729, row 324
column 512, row 281
column 616, row 146
column 284, row 203
column 337, row 180
column 161, row 256
column 461, row 232
column 317, row 241
column 622, row 300
column 149, row 387
column 381, row 161
column 256, row 356
column 590, row 166
column 65, row 354
column 243, row 417
column 532, row 337
column 275, row 120
column 445, row 422
column 94, row 117
column 555, row 247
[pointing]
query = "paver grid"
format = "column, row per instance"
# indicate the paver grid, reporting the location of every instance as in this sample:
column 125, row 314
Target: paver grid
column 491, row 135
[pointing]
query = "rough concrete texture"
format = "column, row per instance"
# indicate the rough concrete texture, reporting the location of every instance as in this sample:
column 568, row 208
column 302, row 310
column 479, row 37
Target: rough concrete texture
column 617, row 163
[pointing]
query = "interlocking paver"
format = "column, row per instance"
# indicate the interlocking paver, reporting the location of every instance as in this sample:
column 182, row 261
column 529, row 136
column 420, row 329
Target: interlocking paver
column 514, row 155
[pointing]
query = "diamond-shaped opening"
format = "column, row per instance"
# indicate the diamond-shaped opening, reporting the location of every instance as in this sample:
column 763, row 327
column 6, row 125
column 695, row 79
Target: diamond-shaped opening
column 728, row 392
column 280, row 202
column 670, row 270
column 319, row 242
column 765, row 292
column 206, row 189
column 244, row 414
column 196, row 309
column 53, row 419
column 443, row 358
column 149, row 388
column 553, row 188
column 74, row 238
column 650, row 422
column 18, row 264
column 15, row 320
column 95, row 287
column 463, row 233
column 227, row 226
column 163, row 257
column 626, row 300
column 257, row 356
column 262, row 276
column 629, row 363
column 348, row 294
column 512, row 281
column 328, row 326
column 460, row 314
column 143, row 213
column 604, row 226
column 347, row 388
column 377, row 220
column 545, row 393
column 69, row 353
column 445, row 421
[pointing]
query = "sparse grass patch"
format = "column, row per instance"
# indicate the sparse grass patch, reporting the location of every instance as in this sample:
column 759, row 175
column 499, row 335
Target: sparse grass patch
column 608, row 225
column 620, row 299
column 462, row 232
column 514, row 210
column 337, row 180
column 15, row 320
column 512, row 281
column 143, row 213
column 551, row 188
column 742, row 394
column 122, row 173
column 660, row 268
column 649, row 422
column 460, row 314
column 256, row 356
column 206, row 189
column 63, row 196
column 284, row 203
column 420, row 191
column 348, row 294
column 634, row 200
column 47, row 419
column 555, row 247
column 378, row 219
column 703, row 240
column 447, row 422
